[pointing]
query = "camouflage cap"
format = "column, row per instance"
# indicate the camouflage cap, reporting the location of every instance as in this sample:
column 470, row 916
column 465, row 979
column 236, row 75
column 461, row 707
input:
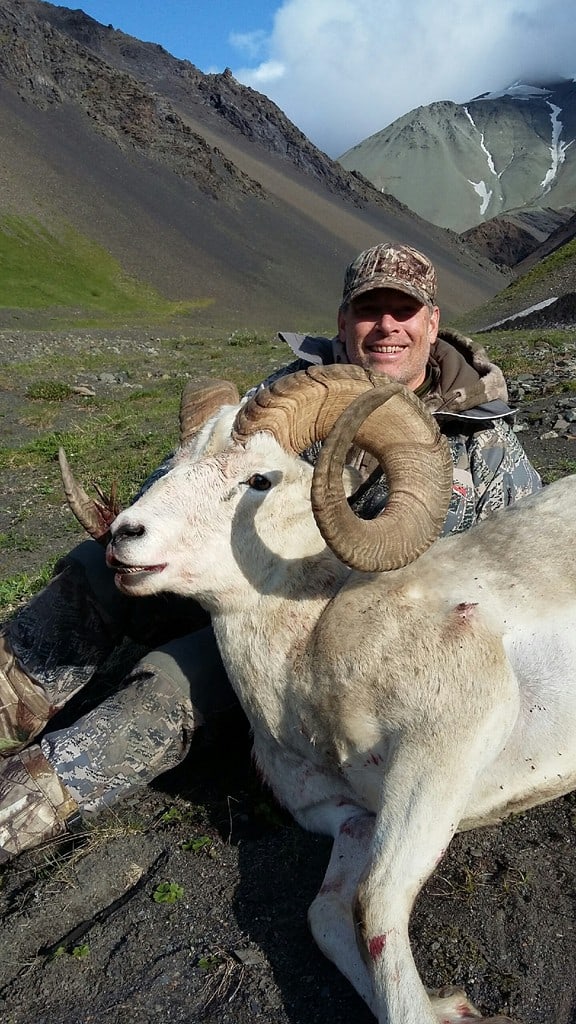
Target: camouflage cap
column 391, row 266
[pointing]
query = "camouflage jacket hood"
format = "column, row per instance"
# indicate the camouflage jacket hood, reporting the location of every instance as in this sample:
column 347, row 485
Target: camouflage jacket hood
column 464, row 383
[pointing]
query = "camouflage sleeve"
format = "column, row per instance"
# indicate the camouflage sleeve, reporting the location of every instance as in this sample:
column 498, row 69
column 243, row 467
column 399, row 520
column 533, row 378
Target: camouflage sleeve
column 501, row 470
column 491, row 471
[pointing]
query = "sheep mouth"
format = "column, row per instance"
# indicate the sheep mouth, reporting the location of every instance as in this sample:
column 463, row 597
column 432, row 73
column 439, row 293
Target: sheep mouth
column 127, row 576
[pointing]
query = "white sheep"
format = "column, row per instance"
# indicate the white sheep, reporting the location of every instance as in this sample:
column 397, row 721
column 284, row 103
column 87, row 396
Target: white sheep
column 390, row 707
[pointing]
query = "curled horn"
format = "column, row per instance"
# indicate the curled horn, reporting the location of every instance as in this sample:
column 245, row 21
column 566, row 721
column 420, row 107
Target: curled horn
column 95, row 516
column 302, row 407
column 392, row 425
column 200, row 400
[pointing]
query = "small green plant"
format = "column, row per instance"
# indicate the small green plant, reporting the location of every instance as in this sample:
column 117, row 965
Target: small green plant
column 171, row 815
column 198, row 844
column 81, row 952
column 49, row 390
column 209, row 962
column 168, row 892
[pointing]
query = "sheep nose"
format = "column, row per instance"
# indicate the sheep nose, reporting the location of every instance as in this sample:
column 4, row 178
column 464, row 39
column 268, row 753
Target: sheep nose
column 127, row 531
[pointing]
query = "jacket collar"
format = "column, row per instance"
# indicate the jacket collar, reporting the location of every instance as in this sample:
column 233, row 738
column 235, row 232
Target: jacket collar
column 465, row 385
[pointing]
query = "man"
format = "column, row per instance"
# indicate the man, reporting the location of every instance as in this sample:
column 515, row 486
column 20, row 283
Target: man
column 388, row 321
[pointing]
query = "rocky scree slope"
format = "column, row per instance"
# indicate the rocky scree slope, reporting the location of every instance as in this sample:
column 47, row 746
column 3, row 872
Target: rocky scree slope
column 193, row 182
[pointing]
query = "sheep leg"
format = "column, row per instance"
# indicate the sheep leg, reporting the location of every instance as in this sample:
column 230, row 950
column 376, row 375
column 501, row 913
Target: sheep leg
column 331, row 914
column 425, row 791
column 332, row 924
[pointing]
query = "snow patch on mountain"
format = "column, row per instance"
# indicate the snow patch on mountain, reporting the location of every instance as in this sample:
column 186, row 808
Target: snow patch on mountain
column 522, row 313
column 480, row 187
column 518, row 91
column 557, row 149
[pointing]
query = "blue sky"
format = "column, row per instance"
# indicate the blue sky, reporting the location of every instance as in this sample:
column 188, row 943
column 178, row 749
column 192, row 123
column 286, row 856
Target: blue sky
column 344, row 69
column 195, row 31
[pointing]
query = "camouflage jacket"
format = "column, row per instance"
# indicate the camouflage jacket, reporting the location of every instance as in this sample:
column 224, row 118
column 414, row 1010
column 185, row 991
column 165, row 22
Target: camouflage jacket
column 468, row 396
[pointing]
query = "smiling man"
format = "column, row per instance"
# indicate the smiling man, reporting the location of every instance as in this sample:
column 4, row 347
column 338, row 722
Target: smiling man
column 388, row 321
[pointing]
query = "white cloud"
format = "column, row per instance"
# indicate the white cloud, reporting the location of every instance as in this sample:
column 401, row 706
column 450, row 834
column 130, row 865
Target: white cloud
column 344, row 69
column 267, row 72
column 252, row 44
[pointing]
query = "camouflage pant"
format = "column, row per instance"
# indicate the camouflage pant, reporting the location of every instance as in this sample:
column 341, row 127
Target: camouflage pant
column 144, row 729
column 54, row 646
column 130, row 738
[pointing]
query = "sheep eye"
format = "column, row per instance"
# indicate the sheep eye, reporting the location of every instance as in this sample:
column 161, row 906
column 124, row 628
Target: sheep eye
column 259, row 482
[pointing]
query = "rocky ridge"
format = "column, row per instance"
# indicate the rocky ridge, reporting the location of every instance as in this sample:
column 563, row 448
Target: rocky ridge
column 196, row 185
column 514, row 236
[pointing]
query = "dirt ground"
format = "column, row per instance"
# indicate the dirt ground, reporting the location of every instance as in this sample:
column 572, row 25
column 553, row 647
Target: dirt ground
column 85, row 939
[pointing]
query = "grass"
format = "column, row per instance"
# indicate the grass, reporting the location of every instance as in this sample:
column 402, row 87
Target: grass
column 523, row 351
column 543, row 269
column 116, row 436
column 60, row 268
column 18, row 588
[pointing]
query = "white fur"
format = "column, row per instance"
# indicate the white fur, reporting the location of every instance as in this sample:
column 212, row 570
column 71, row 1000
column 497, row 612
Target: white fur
column 389, row 710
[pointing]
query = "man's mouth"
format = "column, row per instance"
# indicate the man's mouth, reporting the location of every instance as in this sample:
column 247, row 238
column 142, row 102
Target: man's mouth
column 386, row 350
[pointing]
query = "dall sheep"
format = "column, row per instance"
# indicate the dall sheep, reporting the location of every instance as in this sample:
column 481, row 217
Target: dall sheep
column 428, row 689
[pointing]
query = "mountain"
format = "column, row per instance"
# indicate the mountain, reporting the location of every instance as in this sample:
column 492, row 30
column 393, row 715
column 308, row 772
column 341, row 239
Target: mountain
column 515, row 235
column 542, row 293
column 461, row 164
column 198, row 186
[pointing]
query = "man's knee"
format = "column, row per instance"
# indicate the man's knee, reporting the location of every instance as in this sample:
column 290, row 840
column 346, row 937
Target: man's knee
column 194, row 667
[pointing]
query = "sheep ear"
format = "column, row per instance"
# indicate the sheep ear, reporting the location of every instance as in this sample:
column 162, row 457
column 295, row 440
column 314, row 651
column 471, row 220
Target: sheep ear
column 95, row 516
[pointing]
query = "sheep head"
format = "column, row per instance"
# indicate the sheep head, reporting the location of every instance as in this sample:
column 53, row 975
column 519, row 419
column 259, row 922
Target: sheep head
column 339, row 405
column 336, row 405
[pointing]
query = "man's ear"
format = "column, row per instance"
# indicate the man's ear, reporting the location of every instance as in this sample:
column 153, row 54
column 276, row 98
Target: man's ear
column 433, row 324
column 342, row 325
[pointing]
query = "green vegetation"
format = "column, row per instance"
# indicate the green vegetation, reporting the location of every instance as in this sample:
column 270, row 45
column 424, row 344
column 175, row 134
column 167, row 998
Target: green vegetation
column 114, row 437
column 18, row 588
column 523, row 351
column 198, row 844
column 50, row 390
column 82, row 951
column 62, row 269
column 543, row 269
column 168, row 892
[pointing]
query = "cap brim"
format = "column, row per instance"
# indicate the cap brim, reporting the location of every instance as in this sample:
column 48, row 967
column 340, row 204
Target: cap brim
column 374, row 282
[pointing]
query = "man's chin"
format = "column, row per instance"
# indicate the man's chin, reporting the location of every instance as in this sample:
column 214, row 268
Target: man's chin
column 379, row 364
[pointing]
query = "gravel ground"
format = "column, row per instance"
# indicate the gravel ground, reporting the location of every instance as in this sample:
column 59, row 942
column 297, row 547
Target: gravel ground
column 83, row 939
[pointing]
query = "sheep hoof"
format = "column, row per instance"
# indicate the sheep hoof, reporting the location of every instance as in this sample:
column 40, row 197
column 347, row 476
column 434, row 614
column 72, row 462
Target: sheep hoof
column 452, row 1006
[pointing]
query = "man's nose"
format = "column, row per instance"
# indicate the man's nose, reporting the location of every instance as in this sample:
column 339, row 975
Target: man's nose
column 386, row 321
